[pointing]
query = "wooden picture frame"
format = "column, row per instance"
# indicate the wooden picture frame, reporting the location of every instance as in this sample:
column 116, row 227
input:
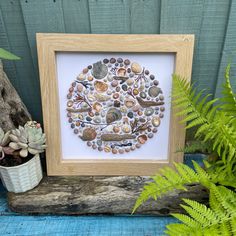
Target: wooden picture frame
column 49, row 44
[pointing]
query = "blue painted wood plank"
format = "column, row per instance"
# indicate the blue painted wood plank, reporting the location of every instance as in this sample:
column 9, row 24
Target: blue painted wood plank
column 207, row 20
column 145, row 16
column 25, row 78
column 109, row 16
column 76, row 16
column 228, row 53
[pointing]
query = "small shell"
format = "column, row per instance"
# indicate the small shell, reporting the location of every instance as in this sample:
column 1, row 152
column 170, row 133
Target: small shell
column 142, row 139
column 81, row 77
column 97, row 120
column 113, row 114
column 154, row 91
column 136, row 108
column 101, row 97
column 121, row 72
column 114, row 83
column 90, row 78
column 129, row 102
column 101, row 87
column 116, row 129
column 148, row 112
column 136, row 68
column 89, row 134
column 97, row 106
column 107, row 149
column 126, row 128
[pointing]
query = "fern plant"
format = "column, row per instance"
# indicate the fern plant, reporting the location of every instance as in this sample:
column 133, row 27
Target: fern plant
column 215, row 124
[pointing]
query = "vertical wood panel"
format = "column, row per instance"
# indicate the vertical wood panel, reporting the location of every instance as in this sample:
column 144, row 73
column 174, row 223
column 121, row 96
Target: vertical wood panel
column 109, row 16
column 76, row 16
column 26, row 81
column 228, row 53
column 207, row 20
column 41, row 16
column 145, row 16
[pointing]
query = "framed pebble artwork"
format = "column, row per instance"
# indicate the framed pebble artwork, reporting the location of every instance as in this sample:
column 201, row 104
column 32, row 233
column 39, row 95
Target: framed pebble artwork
column 107, row 101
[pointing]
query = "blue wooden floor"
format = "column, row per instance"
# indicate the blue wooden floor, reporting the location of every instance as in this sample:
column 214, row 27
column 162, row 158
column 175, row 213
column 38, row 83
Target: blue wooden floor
column 14, row 224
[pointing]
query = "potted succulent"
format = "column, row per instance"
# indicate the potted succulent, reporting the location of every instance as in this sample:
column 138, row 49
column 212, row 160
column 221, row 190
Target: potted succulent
column 20, row 166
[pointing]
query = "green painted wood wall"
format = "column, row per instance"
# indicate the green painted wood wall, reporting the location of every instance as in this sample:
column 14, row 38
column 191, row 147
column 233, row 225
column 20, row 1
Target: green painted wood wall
column 212, row 21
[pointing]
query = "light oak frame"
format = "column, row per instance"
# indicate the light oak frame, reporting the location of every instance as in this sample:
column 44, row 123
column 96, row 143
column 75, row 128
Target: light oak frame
column 49, row 44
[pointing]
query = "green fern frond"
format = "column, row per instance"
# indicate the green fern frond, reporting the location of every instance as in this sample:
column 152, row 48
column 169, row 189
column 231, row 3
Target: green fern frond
column 219, row 219
column 228, row 99
column 168, row 180
column 196, row 146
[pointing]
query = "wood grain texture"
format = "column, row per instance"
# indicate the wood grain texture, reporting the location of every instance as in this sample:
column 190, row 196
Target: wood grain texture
column 12, row 109
column 49, row 44
column 98, row 195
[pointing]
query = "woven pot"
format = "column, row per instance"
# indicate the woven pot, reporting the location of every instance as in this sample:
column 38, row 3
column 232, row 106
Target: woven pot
column 22, row 178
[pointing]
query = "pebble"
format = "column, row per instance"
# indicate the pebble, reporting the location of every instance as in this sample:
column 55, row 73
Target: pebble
column 127, row 149
column 119, row 60
column 81, row 77
column 121, row 72
column 152, row 77
column 76, row 131
column 150, row 135
column 116, row 129
column 136, row 108
column 114, row 151
column 94, row 146
column 143, row 95
column 99, row 142
column 112, row 60
column 105, row 61
column 107, row 149
column 89, row 144
column 121, row 151
column 154, row 91
column 135, row 92
column 155, row 82
column 138, row 145
column 91, row 114
column 129, row 81
column 124, row 87
column 140, row 113
column 70, row 103
column 130, row 115
column 161, row 97
column 69, row 95
column 118, row 89
column 89, row 67
column 136, row 68
column 85, row 70
column 156, row 121
column 80, row 88
column 126, row 128
column 88, row 118
column 116, row 103
column 162, row 109
column 142, row 139
column 126, row 62
column 114, row 83
column 116, row 95
column 161, row 115
column 128, row 70
column 72, row 126
column 77, row 123
column 97, row 120
column 154, row 130
column 146, row 72
column 148, row 112
column 100, row 149
column 90, row 78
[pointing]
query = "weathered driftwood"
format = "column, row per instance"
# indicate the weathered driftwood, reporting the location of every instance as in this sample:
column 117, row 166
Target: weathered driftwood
column 12, row 109
column 97, row 195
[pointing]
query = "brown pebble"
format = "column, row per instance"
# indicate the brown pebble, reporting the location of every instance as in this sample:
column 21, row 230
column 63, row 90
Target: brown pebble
column 100, row 149
column 70, row 103
column 91, row 114
column 140, row 113
column 116, row 129
column 114, row 151
column 69, row 95
column 73, row 84
column 121, row 151
column 71, row 89
column 142, row 139
column 161, row 97
column 85, row 70
column 117, row 89
column 161, row 115
column 114, row 83
column 94, row 146
column 68, row 114
column 77, row 123
column 127, row 149
column 89, row 144
column 115, row 95
column 132, row 148
column 162, row 108
column 137, row 145
column 154, row 130
column 126, row 62
column 90, row 78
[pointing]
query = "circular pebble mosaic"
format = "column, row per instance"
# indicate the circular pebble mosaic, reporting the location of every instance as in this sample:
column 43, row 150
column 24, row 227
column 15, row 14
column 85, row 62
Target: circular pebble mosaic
column 115, row 105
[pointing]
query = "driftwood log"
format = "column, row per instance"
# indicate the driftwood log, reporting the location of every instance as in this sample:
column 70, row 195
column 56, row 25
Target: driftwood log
column 97, row 195
column 12, row 109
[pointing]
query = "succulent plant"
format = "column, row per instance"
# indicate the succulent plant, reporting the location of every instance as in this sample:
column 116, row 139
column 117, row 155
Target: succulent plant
column 28, row 139
column 4, row 141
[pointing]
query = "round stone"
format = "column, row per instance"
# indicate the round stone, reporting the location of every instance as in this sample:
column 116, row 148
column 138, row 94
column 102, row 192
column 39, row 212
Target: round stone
column 114, row 151
column 83, row 125
column 162, row 109
column 128, row 70
column 89, row 67
column 116, row 129
column 77, row 123
column 112, row 60
column 150, row 135
column 117, row 89
column 73, row 84
column 90, row 78
column 152, row 77
column 126, row 62
column 155, row 82
column 70, row 120
column 154, row 91
column 140, row 113
column 116, row 95
column 119, row 60
column 136, row 68
column 135, row 92
column 129, row 81
column 114, row 83
column 161, row 115
column 71, row 89
column 100, row 149
column 124, row 87
column 94, row 146
column 69, row 95
column 89, row 144
column 97, row 120
column 127, row 149
column 99, row 142
column 80, row 88
column 143, row 95
column 138, row 145
column 70, row 103
column 88, row 118
column 156, row 121
column 85, row 70
column 76, row 131
column 116, row 103
column 105, row 61
column 154, row 130
column 121, row 151
column 161, row 97
column 72, row 126
column 148, row 112
column 146, row 72
column 130, row 115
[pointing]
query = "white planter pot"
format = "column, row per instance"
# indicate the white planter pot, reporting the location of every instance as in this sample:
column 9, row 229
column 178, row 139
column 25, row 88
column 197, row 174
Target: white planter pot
column 22, row 178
